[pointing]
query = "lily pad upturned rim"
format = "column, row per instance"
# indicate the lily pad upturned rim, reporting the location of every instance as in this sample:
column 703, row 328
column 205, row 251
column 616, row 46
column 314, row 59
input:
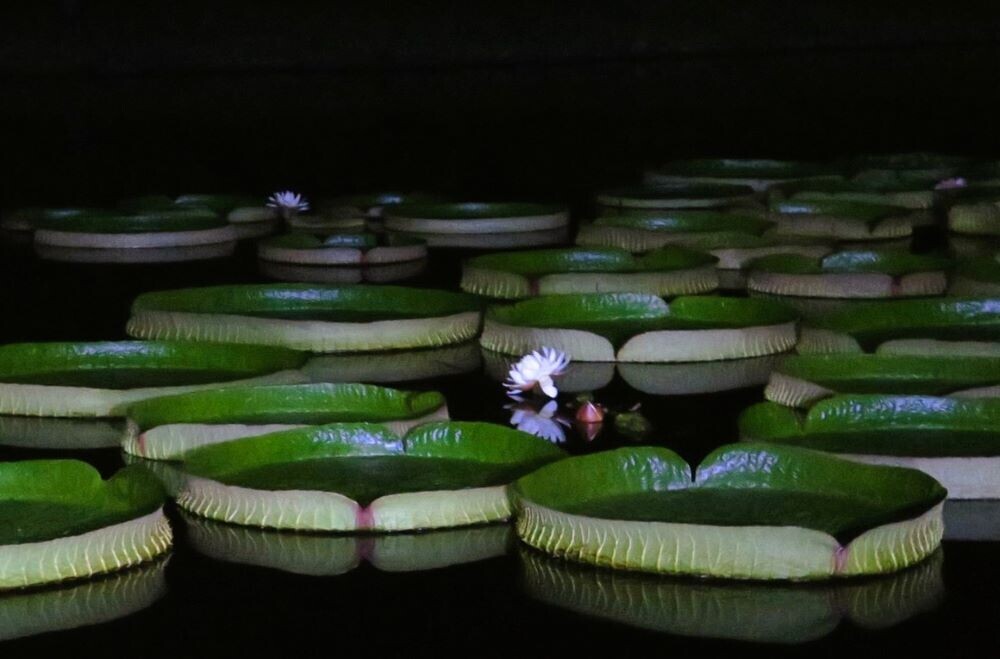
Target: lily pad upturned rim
column 913, row 372
column 866, row 212
column 914, row 318
column 576, row 481
column 296, row 403
column 537, row 263
column 464, row 440
column 909, row 425
column 687, row 220
column 19, row 360
column 251, row 299
column 557, row 311
column 893, row 263
column 471, row 210
column 89, row 502
column 158, row 221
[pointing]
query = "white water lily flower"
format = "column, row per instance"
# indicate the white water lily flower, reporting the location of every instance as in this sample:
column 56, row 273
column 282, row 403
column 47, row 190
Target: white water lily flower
column 537, row 370
column 540, row 423
column 288, row 202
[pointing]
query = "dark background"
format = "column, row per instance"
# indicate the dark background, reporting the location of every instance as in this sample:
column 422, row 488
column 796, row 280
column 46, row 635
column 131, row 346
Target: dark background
column 540, row 99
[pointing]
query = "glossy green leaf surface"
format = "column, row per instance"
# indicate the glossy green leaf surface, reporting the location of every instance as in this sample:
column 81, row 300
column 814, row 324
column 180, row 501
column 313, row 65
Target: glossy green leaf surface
column 677, row 221
column 150, row 221
column 838, row 208
column 357, row 303
column 736, row 485
column 365, row 461
column 618, row 316
column 944, row 318
column 309, row 404
column 48, row 499
column 472, row 210
column 130, row 364
column 893, row 263
column 882, row 424
column 899, row 374
column 536, row 263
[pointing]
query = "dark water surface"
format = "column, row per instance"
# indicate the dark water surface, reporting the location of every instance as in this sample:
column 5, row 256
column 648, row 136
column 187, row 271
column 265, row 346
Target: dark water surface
column 369, row 597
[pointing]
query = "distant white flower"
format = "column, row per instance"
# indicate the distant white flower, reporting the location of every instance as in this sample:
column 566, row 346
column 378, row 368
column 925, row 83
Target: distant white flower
column 288, row 202
column 537, row 370
column 541, row 423
column 951, row 183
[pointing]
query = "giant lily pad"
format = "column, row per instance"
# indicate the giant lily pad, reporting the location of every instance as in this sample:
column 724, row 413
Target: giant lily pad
column 164, row 428
column 60, row 521
column 645, row 231
column 751, row 511
column 363, row 477
column 837, row 219
column 628, row 327
column 979, row 276
column 929, row 326
column 759, row 174
column 907, row 168
column 802, row 380
column 327, row 555
column 99, row 379
column 678, row 195
column 309, row 317
column 479, row 225
column 148, row 229
column 850, row 274
column 913, row 195
column 341, row 249
column 957, row 440
column 666, row 272
column 755, row 612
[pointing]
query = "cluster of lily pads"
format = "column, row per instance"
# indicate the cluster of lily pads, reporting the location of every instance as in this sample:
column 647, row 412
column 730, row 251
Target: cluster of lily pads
column 245, row 404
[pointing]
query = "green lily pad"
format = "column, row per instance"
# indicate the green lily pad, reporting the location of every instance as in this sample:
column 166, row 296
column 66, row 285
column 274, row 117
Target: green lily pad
column 666, row 272
column 955, row 440
column 868, row 325
column 474, row 218
column 688, row 221
column 975, row 219
column 354, row 477
column 99, row 378
column 358, row 248
column 309, row 317
column 99, row 221
column 882, row 424
column 978, row 276
column 59, row 520
column 804, row 379
column 641, row 328
column 164, row 428
column 752, row 511
column 677, row 195
column 850, row 275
